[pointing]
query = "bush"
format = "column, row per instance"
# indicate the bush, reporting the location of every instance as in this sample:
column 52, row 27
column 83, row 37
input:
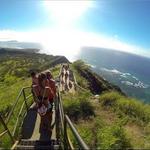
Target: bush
column 109, row 98
column 112, row 137
column 126, row 106
column 79, row 64
column 86, row 108
column 78, row 107
column 85, row 131
column 72, row 108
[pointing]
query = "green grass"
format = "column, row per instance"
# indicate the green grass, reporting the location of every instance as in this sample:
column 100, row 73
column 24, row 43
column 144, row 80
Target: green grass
column 55, row 70
column 126, row 106
column 9, row 93
column 97, row 134
column 94, row 131
column 78, row 106
column 112, row 137
column 118, row 122
column 8, row 96
column 135, row 116
column 80, row 80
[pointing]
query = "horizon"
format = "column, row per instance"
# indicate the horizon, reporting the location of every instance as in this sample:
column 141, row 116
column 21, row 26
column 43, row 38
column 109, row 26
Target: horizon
column 63, row 27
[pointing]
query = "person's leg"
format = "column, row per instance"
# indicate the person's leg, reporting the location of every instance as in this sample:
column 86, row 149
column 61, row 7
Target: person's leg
column 49, row 121
column 42, row 124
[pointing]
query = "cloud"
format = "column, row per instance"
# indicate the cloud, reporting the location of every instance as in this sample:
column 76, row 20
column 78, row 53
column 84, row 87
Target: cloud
column 69, row 41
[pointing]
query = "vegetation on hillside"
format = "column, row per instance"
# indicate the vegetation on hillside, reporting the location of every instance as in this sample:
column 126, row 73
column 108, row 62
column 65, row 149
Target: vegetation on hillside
column 15, row 67
column 107, row 120
column 116, row 121
column 91, row 80
column 15, row 70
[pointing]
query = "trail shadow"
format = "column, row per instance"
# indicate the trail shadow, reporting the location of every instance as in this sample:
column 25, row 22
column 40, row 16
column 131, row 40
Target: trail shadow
column 46, row 127
column 29, row 124
column 45, row 135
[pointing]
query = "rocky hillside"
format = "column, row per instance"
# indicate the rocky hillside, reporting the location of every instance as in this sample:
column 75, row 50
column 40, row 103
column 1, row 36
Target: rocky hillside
column 95, row 83
column 109, row 119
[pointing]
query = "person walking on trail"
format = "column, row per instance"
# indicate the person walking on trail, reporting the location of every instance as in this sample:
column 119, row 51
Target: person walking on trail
column 62, row 75
column 62, row 72
column 34, row 78
column 67, row 79
column 34, row 83
column 43, row 94
column 51, row 82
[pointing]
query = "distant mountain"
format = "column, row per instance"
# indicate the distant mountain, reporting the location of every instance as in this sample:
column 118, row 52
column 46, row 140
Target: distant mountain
column 130, row 72
column 17, row 64
column 20, row 45
column 29, row 50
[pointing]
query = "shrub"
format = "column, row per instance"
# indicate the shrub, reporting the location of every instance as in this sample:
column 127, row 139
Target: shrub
column 79, row 106
column 112, row 137
column 72, row 108
column 86, row 109
column 109, row 98
column 134, row 108
column 126, row 106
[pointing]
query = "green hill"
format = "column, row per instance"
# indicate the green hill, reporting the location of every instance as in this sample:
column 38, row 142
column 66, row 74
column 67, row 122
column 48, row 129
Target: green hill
column 15, row 67
column 109, row 119
column 104, row 116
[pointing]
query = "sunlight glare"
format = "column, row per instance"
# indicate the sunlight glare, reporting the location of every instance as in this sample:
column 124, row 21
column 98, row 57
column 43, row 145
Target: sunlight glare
column 65, row 13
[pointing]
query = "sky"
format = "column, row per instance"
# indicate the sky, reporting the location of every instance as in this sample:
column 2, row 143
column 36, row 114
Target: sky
column 62, row 27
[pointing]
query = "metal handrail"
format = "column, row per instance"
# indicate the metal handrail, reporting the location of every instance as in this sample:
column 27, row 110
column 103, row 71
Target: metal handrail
column 5, row 123
column 16, row 102
column 76, row 134
column 63, row 122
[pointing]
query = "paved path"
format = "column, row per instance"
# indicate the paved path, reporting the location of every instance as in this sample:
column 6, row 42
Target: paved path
column 31, row 127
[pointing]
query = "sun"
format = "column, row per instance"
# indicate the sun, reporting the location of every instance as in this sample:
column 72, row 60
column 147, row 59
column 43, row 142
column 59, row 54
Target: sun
column 66, row 13
column 63, row 38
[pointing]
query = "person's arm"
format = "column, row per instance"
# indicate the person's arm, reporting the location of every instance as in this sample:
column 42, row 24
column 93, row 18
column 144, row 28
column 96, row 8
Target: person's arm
column 35, row 93
column 49, row 92
column 54, row 87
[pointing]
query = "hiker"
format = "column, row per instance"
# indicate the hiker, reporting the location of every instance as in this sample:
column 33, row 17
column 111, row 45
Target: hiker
column 34, row 78
column 66, row 79
column 62, row 72
column 62, row 77
column 34, row 83
column 43, row 94
column 51, row 82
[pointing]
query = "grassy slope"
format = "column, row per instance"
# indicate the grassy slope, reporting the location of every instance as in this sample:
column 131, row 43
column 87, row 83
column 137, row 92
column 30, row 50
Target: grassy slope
column 14, row 74
column 115, row 121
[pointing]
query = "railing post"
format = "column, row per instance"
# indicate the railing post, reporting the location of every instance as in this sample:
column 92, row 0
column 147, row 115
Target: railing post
column 6, row 128
column 57, row 118
column 65, row 134
column 25, row 99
